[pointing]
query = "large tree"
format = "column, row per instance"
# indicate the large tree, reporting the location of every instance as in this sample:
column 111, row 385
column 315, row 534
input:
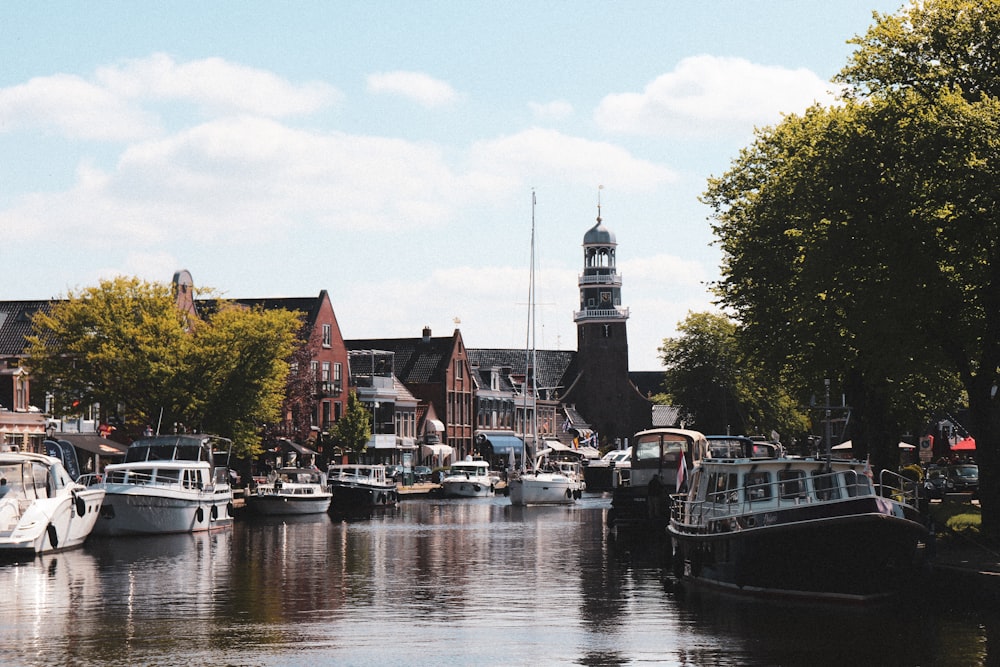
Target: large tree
column 126, row 346
column 720, row 389
column 861, row 240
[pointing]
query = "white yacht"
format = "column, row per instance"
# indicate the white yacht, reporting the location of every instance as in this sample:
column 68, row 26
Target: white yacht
column 291, row 491
column 469, row 479
column 41, row 508
column 168, row 484
column 545, row 487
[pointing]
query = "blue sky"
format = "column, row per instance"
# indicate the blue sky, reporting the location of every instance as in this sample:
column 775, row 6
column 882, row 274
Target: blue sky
column 387, row 151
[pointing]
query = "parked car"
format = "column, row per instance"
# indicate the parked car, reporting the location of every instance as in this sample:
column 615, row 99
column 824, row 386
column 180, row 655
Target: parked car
column 964, row 477
column 936, row 483
column 422, row 474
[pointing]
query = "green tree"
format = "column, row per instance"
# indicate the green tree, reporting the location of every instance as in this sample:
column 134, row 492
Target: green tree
column 126, row 346
column 718, row 386
column 118, row 344
column 237, row 369
column 860, row 241
column 354, row 428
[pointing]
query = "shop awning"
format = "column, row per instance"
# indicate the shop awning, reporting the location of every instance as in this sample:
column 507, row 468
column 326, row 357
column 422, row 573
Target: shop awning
column 503, row 445
column 443, row 451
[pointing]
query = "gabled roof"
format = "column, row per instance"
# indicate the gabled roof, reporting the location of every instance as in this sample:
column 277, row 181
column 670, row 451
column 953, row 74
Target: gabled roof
column 309, row 305
column 553, row 366
column 15, row 324
column 415, row 360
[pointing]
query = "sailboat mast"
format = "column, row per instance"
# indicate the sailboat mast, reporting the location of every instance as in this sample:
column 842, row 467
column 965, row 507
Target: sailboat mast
column 529, row 347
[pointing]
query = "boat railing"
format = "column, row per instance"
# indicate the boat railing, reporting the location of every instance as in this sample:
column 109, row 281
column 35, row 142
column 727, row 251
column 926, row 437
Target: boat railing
column 731, row 502
column 899, row 488
column 90, row 479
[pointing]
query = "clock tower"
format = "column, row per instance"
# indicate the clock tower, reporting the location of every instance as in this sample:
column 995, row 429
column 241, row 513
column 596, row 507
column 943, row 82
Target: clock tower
column 602, row 391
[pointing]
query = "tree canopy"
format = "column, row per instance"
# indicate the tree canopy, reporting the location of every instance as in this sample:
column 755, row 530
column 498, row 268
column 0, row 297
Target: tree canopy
column 126, row 346
column 860, row 241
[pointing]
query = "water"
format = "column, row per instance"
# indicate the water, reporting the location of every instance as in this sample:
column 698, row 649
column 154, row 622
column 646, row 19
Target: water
column 435, row 582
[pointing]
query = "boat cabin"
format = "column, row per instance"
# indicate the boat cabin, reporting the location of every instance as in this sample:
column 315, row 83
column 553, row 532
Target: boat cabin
column 657, row 453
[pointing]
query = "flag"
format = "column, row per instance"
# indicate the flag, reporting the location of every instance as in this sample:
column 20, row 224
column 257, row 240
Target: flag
column 681, row 472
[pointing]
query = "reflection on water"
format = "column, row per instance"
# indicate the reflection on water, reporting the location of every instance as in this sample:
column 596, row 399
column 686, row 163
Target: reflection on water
column 432, row 582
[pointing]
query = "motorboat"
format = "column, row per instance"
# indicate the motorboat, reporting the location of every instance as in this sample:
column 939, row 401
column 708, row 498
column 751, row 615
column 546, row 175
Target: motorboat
column 41, row 508
column 609, row 471
column 469, row 479
column 658, row 457
column 360, row 486
column 813, row 528
column 544, row 485
column 291, row 491
column 168, row 484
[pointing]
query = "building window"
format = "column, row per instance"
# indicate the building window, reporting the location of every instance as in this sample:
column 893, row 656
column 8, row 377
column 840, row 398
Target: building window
column 338, row 372
column 325, row 377
column 327, row 335
column 314, row 369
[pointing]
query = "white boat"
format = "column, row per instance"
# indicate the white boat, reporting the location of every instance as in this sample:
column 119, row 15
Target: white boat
column 469, row 479
column 359, row 487
column 168, row 484
column 782, row 526
column 41, row 508
column 541, row 486
column 291, row 491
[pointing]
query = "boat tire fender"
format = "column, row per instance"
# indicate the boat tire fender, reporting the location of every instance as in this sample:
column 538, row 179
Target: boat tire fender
column 569, row 494
column 199, row 515
column 381, row 499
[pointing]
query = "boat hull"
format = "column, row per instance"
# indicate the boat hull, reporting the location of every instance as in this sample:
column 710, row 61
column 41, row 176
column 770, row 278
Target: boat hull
column 851, row 551
column 286, row 504
column 47, row 525
column 466, row 488
column 138, row 510
column 543, row 489
column 349, row 497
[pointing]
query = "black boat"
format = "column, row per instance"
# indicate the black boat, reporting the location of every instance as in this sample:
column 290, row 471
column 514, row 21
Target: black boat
column 815, row 528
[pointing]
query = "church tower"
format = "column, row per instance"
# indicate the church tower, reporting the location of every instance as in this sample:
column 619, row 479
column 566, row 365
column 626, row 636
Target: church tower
column 601, row 391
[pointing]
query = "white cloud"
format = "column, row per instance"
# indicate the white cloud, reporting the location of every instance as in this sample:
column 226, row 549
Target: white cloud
column 546, row 154
column 706, row 95
column 73, row 108
column 417, row 86
column 555, row 110
column 217, row 85
column 111, row 107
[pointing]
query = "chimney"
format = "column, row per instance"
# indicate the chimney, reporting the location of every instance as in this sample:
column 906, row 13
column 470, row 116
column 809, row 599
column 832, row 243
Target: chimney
column 427, row 334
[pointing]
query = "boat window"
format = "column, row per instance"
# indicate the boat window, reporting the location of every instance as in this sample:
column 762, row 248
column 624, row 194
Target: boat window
column 40, row 473
column 722, row 488
column 792, row 483
column 646, row 451
column 758, row 485
column 856, row 485
column 169, row 476
column 826, row 485
column 140, row 475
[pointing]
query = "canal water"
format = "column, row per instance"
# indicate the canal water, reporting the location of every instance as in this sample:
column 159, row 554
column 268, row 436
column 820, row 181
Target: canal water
column 436, row 582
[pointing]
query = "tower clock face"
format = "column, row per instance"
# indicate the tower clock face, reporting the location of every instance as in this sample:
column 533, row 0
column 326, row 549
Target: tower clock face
column 605, row 297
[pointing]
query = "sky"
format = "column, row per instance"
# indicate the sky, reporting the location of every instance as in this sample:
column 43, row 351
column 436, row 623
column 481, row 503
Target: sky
column 387, row 151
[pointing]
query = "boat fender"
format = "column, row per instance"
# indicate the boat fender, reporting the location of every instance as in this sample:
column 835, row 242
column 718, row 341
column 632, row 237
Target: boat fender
column 53, row 536
column 81, row 505
column 578, row 494
column 493, row 489
column 199, row 515
column 215, row 512
column 230, row 509
column 569, row 494
column 381, row 499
